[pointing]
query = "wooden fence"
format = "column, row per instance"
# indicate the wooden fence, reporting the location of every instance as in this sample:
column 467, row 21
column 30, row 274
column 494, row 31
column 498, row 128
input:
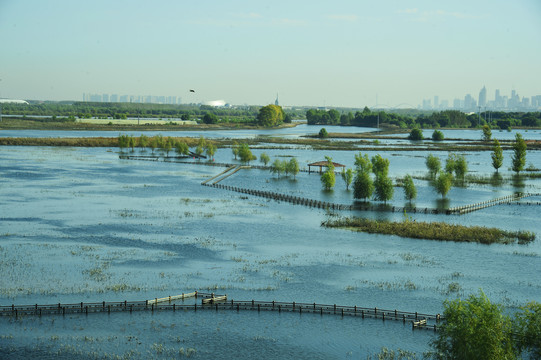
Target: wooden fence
column 220, row 302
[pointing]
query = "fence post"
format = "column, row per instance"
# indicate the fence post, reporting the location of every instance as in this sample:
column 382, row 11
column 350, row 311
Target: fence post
column 293, row 305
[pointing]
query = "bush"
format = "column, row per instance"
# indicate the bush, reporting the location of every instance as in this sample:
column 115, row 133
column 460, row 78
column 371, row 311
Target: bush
column 323, row 133
column 437, row 135
column 416, row 134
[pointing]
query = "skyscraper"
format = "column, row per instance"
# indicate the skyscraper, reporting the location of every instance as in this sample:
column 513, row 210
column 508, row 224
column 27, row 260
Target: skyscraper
column 483, row 97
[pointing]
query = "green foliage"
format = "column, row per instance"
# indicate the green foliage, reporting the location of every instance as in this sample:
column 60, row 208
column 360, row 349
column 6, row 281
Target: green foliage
column 245, row 154
column 210, row 149
column 363, row 163
column 519, row 153
column 383, row 188
column 430, row 230
column 416, row 134
column 443, row 183
column 487, row 133
column 278, row 167
column 143, row 141
column 437, row 135
column 433, row 164
column 474, row 329
column 328, row 178
column 457, row 164
column 182, row 148
column 264, row 158
column 410, row 191
column 380, row 165
column 323, row 133
column 210, row 118
column 347, row 176
column 292, row 167
column 235, row 147
column 123, row 142
column 527, row 326
column 270, row 115
column 363, row 186
column 497, row 155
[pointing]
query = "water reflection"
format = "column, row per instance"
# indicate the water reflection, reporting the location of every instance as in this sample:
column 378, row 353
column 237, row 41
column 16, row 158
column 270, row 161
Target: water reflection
column 496, row 179
column 518, row 183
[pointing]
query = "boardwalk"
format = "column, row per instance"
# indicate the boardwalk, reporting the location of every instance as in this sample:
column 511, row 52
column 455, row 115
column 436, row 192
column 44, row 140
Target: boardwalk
column 220, row 303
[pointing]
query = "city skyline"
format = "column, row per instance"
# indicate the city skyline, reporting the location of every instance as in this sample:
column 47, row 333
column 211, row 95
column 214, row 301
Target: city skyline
column 343, row 54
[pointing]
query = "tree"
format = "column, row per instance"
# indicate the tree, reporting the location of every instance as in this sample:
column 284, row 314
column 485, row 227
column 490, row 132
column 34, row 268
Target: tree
column 245, row 154
column 123, row 142
column 380, row 165
column 143, row 142
column 443, row 183
column 292, row 167
column 182, row 148
column 210, row 118
column 323, row 133
column 497, row 155
column 347, row 176
column 328, row 178
column 270, row 115
column 167, row 145
column 473, row 329
column 235, row 149
column 153, row 144
column 416, row 134
column 278, row 167
column 264, row 158
column 185, row 117
column 363, row 186
column 487, row 133
column 519, row 153
column 363, row 163
column 457, row 164
column 288, row 119
column 433, row 164
column 210, row 149
column 383, row 188
column 437, row 135
column 528, row 328
column 410, row 192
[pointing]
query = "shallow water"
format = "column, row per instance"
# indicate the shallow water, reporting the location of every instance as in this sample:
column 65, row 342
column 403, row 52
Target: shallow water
column 80, row 224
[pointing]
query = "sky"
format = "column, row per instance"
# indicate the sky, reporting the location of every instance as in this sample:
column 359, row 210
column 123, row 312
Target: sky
column 344, row 53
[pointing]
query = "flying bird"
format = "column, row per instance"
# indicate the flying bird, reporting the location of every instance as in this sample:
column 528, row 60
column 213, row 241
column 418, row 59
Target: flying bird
column 192, row 90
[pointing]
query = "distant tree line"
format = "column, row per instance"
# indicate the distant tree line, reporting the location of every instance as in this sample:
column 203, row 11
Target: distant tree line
column 446, row 118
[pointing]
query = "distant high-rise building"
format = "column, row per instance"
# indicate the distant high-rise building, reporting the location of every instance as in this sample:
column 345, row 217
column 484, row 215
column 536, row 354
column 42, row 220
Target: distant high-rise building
column 276, row 102
column 444, row 104
column 123, row 98
column 427, row 104
column 469, row 102
column 436, row 101
column 114, row 98
column 483, row 97
column 105, row 98
column 457, row 104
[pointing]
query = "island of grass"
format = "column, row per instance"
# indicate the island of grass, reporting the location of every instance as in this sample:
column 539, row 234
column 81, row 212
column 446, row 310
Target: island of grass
column 432, row 230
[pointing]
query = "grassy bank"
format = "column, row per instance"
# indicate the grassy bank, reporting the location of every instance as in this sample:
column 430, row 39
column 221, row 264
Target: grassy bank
column 433, row 231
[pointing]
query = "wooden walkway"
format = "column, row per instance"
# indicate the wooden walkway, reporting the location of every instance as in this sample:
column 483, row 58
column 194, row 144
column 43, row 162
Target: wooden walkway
column 220, row 303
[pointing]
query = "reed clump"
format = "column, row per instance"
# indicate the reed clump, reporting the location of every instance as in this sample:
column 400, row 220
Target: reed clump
column 433, row 230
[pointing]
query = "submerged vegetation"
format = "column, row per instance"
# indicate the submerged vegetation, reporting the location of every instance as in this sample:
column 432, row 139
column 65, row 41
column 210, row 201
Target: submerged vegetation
column 432, row 230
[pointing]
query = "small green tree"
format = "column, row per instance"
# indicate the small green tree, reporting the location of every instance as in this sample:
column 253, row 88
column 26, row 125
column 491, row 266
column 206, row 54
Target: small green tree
column 235, row 149
column 380, row 165
column 143, row 142
column 323, row 133
column 245, row 154
column 437, row 135
column 167, row 145
column 347, row 176
column 210, row 149
column 264, row 158
column 527, row 326
column 519, row 153
column 210, row 118
column 182, row 148
column 457, row 164
column 292, row 167
column 153, row 144
column 443, row 183
column 328, row 178
column 383, row 188
column 123, row 142
column 363, row 186
column 278, row 167
column 416, row 134
column 410, row 191
column 433, row 164
column 363, row 163
column 473, row 329
column 487, row 133
column 497, row 155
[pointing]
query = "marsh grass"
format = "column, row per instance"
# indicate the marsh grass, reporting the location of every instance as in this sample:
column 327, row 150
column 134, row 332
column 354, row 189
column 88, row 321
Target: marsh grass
column 433, row 231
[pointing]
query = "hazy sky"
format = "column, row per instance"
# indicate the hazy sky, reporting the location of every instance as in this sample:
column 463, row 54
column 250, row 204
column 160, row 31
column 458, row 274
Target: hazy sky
column 337, row 53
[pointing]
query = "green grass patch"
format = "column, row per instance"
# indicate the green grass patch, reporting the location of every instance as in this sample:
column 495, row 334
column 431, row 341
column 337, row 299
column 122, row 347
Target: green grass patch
column 433, row 231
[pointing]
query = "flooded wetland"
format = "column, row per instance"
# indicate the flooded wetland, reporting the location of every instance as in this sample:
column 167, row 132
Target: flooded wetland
column 83, row 225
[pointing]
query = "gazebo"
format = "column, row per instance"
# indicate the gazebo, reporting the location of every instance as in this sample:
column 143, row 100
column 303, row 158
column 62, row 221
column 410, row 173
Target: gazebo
column 322, row 164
